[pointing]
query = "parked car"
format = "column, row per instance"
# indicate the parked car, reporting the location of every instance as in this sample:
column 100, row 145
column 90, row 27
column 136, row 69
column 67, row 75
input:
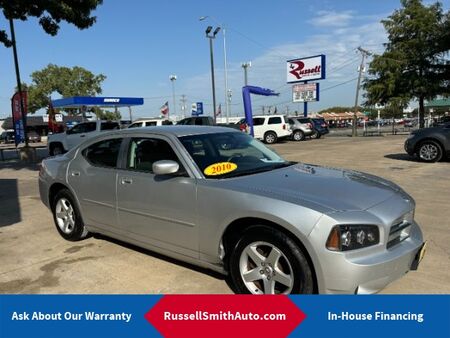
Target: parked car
column 150, row 122
column 299, row 130
column 217, row 198
column 62, row 142
column 197, row 121
column 33, row 136
column 271, row 128
column 319, row 125
column 7, row 136
column 429, row 144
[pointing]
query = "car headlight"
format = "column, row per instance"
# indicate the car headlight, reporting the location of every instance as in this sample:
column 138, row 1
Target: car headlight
column 351, row 237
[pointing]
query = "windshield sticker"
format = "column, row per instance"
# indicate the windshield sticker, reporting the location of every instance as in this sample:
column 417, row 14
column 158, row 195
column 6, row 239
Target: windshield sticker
column 220, row 168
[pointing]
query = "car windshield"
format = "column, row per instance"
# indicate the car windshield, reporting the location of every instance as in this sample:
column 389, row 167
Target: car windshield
column 231, row 154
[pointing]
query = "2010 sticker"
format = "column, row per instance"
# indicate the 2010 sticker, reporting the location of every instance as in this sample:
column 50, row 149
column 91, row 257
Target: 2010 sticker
column 220, row 168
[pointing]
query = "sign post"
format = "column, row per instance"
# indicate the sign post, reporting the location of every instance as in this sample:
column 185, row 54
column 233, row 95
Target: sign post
column 304, row 70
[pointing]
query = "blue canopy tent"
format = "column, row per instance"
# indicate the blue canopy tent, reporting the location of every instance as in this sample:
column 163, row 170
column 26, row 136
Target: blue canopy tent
column 83, row 102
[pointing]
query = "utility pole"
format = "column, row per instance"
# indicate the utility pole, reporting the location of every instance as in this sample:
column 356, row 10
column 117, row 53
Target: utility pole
column 19, row 83
column 246, row 65
column 211, row 53
column 183, row 105
column 364, row 53
column 172, row 79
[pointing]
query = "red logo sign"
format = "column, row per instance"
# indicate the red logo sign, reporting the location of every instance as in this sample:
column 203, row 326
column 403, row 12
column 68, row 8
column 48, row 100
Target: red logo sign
column 297, row 69
column 225, row 316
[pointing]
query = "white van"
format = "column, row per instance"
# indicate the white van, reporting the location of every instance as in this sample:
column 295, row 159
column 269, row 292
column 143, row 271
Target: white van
column 149, row 122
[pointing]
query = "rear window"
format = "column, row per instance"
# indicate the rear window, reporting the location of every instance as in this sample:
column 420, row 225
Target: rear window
column 275, row 120
column 109, row 126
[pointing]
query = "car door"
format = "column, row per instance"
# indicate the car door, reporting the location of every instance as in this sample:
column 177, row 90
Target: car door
column 78, row 133
column 158, row 210
column 258, row 127
column 92, row 174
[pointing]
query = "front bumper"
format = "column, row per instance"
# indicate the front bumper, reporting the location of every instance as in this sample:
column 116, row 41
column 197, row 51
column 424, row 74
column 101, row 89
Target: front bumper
column 368, row 270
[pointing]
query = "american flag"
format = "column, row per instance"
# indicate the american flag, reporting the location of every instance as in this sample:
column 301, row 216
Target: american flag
column 219, row 110
column 165, row 108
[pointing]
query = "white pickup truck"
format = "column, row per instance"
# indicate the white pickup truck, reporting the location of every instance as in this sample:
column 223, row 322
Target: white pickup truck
column 63, row 142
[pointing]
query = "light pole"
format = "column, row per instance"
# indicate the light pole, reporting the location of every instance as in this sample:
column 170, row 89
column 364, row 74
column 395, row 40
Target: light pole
column 246, row 65
column 173, row 78
column 225, row 65
column 211, row 52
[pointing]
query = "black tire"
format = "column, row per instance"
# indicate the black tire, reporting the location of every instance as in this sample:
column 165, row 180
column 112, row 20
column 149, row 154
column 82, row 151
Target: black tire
column 298, row 135
column 56, row 149
column 430, row 151
column 270, row 137
column 74, row 232
column 303, row 281
column 316, row 135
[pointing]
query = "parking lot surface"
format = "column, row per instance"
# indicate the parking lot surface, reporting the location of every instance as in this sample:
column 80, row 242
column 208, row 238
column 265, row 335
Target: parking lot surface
column 35, row 259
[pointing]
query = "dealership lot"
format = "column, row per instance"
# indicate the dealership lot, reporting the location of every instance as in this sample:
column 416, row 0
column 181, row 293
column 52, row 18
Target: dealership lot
column 35, row 259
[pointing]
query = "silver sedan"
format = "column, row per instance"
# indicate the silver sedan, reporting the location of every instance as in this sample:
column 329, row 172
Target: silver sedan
column 219, row 199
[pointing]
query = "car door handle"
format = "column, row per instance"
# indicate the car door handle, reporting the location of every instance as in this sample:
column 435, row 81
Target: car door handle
column 126, row 181
column 75, row 173
column 83, row 135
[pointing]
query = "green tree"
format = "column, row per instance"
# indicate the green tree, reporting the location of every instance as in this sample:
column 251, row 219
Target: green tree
column 107, row 115
column 414, row 64
column 75, row 81
column 50, row 13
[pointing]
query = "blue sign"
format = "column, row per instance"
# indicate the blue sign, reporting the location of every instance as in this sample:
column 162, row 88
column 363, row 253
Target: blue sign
column 81, row 101
column 199, row 108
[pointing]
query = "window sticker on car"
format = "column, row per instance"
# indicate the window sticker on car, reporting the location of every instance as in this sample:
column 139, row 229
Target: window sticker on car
column 220, row 168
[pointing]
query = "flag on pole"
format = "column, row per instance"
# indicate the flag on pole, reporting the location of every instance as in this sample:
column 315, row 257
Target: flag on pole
column 165, row 108
column 219, row 110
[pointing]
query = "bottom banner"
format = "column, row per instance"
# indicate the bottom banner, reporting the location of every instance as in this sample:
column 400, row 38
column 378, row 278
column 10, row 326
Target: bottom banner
column 224, row 316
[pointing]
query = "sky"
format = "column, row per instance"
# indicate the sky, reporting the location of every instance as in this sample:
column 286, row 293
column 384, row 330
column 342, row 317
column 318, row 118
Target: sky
column 138, row 44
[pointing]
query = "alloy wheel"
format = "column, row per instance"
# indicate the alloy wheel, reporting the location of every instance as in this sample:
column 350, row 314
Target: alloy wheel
column 65, row 216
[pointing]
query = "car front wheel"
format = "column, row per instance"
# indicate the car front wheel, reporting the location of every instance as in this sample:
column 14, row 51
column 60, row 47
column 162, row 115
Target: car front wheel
column 430, row 151
column 67, row 217
column 267, row 261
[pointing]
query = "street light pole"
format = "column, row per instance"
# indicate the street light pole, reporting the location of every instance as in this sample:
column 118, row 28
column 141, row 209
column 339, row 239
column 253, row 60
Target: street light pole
column 225, row 64
column 173, row 78
column 246, row 65
column 211, row 52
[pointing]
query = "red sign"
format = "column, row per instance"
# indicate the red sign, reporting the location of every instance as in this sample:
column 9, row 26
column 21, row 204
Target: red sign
column 225, row 316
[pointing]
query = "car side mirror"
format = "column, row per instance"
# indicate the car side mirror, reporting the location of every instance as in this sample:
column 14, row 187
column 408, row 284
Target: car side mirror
column 165, row 167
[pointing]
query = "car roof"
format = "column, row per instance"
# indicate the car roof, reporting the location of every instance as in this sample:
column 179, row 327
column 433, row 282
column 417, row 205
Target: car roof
column 177, row 130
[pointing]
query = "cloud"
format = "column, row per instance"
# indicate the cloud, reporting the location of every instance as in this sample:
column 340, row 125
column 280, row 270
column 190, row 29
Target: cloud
column 332, row 19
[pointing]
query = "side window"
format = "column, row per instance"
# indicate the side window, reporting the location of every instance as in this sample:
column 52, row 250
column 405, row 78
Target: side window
column 89, row 127
column 143, row 152
column 150, row 123
column 103, row 153
column 166, row 123
column 109, row 126
column 291, row 121
column 258, row 121
column 77, row 129
column 135, row 125
column 275, row 120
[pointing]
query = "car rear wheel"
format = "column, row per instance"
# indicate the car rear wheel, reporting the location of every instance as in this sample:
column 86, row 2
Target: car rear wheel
column 270, row 137
column 67, row 217
column 267, row 261
column 430, row 151
column 316, row 135
column 298, row 135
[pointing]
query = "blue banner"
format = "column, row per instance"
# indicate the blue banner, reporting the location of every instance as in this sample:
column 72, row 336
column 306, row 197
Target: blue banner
column 137, row 316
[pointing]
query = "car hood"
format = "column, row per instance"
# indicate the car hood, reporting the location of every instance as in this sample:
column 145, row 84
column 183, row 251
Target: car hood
column 329, row 189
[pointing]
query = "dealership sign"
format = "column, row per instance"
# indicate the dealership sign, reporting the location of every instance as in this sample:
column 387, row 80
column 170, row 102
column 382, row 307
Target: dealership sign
column 307, row 92
column 306, row 69
column 19, row 116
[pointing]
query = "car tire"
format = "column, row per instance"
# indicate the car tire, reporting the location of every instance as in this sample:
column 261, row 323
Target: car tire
column 266, row 260
column 56, row 149
column 316, row 135
column 430, row 151
column 270, row 137
column 298, row 135
column 67, row 217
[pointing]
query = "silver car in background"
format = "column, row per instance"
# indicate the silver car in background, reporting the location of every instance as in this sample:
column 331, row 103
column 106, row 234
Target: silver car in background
column 219, row 199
